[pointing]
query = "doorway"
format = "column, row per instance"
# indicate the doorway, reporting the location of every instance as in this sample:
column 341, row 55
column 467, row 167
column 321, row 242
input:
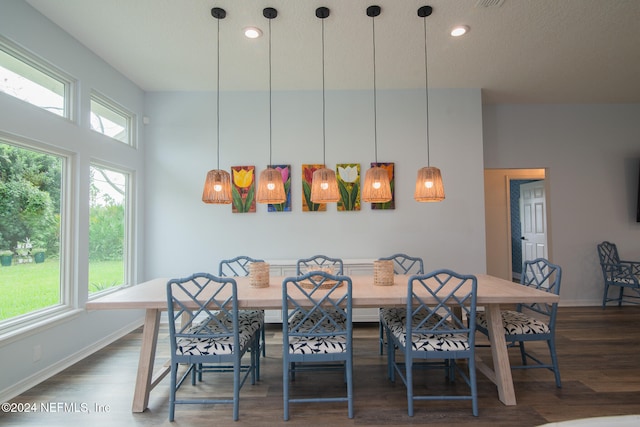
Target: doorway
column 502, row 258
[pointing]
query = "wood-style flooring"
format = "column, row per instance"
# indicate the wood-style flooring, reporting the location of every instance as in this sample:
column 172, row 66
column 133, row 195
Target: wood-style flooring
column 599, row 352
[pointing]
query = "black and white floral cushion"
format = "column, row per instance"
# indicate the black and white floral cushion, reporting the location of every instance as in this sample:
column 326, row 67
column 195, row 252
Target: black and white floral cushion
column 315, row 345
column 396, row 320
column 516, row 323
column 249, row 322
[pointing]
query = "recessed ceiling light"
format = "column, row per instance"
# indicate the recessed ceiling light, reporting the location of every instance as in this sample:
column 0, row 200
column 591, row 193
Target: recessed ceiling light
column 252, row 32
column 460, row 30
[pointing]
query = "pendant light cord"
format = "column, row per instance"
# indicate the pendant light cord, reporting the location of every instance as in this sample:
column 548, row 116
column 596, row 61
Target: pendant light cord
column 270, row 100
column 426, row 86
column 218, row 97
column 375, row 97
column 324, row 108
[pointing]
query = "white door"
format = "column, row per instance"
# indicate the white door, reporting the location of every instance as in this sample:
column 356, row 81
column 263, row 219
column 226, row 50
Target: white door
column 533, row 215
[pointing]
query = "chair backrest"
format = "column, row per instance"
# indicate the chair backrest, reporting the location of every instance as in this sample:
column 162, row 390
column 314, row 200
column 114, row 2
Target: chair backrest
column 199, row 308
column 545, row 276
column 304, row 265
column 405, row 264
column 440, row 303
column 318, row 304
column 609, row 261
column 238, row 266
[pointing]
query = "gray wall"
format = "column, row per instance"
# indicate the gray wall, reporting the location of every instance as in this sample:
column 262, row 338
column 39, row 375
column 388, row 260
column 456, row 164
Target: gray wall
column 185, row 235
column 592, row 153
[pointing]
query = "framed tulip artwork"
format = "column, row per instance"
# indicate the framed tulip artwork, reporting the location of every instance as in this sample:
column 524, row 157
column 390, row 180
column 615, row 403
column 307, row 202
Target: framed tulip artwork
column 307, row 179
column 285, row 171
column 391, row 204
column 243, row 189
column 348, row 175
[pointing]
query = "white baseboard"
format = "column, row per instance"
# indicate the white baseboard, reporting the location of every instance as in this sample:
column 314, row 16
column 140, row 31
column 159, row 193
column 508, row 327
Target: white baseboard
column 51, row 370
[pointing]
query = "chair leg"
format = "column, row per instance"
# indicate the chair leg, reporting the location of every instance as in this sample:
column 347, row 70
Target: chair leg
column 172, row 391
column 264, row 342
column 604, row 297
column 474, row 386
column 554, row 361
column 620, row 296
column 349, row 372
column 523, row 353
column 236, row 390
column 409, row 384
column 285, row 387
column 391, row 358
column 381, row 346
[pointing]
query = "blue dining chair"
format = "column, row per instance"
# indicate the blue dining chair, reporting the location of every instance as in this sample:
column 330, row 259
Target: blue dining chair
column 434, row 330
column 239, row 267
column 207, row 330
column 402, row 264
column 532, row 322
column 317, row 334
column 623, row 274
column 304, row 265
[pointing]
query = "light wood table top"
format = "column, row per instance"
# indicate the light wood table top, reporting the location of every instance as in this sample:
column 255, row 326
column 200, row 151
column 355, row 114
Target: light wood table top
column 153, row 294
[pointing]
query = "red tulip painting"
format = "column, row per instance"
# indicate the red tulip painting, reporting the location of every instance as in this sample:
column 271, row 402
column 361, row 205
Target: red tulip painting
column 391, row 204
column 285, row 171
column 243, row 189
column 307, row 178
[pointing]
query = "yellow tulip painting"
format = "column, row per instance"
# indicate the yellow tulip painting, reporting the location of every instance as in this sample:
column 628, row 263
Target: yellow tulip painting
column 391, row 204
column 243, row 189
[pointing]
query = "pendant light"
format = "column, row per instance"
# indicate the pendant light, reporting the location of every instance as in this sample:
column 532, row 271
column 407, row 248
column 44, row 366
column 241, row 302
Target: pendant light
column 270, row 185
column 377, row 188
column 429, row 187
column 324, row 185
column 217, row 186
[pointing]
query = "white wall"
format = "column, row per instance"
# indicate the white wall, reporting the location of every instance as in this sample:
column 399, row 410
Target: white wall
column 184, row 235
column 71, row 338
column 592, row 153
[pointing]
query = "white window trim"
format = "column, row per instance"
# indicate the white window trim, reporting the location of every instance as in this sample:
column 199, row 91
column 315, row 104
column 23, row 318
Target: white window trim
column 130, row 117
column 45, row 67
column 129, row 229
column 68, row 303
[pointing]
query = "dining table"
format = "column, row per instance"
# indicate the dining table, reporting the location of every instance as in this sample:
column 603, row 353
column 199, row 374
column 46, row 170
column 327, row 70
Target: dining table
column 151, row 296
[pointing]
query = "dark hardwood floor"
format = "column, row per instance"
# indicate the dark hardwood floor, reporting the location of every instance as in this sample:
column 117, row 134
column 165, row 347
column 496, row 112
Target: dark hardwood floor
column 599, row 352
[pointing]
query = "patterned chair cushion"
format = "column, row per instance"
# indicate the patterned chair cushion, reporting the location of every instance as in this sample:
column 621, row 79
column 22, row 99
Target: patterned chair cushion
column 315, row 345
column 249, row 322
column 516, row 323
column 316, row 316
column 396, row 321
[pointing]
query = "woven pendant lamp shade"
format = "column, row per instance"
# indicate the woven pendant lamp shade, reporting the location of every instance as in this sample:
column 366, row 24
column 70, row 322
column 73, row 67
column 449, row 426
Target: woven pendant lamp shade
column 429, row 187
column 270, row 187
column 324, row 186
column 376, row 188
column 217, row 187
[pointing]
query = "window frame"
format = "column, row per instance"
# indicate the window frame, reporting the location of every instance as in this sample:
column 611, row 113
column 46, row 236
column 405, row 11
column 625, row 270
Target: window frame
column 129, row 230
column 68, row 301
column 43, row 66
column 112, row 106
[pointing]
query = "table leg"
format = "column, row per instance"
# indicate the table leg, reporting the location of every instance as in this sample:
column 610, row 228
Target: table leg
column 500, row 355
column 145, row 363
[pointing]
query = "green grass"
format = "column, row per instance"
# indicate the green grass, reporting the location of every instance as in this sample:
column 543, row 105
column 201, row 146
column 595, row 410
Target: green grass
column 28, row 287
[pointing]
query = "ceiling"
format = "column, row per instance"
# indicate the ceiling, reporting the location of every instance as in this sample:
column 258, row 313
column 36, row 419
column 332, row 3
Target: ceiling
column 517, row 51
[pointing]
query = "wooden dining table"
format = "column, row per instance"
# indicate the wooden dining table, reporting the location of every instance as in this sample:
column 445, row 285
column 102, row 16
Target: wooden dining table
column 492, row 292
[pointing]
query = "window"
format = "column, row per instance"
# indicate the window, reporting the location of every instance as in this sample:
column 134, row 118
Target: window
column 31, row 214
column 32, row 80
column 108, row 229
column 111, row 120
